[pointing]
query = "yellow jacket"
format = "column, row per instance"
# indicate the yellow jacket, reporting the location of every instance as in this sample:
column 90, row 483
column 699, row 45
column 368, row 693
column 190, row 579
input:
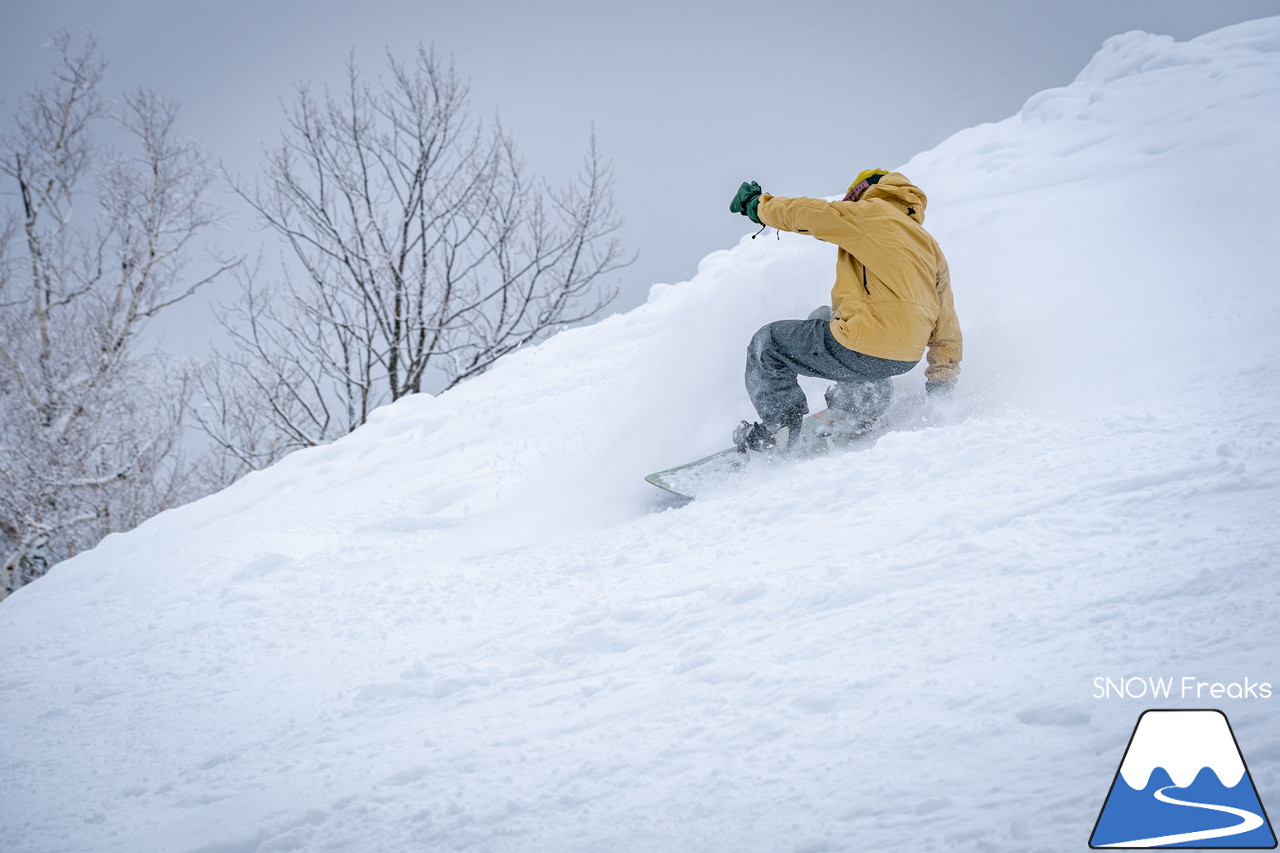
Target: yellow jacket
column 892, row 295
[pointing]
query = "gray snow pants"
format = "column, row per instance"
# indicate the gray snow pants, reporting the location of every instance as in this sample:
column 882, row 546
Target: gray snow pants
column 785, row 349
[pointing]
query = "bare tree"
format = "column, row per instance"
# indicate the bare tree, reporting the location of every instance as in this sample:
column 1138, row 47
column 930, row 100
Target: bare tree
column 91, row 248
column 424, row 252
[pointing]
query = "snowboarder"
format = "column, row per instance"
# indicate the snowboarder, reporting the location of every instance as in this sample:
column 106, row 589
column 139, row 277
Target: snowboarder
column 891, row 300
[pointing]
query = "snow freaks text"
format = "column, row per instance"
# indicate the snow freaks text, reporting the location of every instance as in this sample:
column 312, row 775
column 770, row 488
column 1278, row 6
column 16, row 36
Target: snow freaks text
column 1175, row 687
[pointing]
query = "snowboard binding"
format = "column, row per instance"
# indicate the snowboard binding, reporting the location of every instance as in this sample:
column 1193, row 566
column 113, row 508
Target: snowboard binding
column 756, row 437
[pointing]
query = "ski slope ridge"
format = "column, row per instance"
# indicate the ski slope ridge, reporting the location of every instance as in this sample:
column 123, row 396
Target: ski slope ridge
column 470, row 625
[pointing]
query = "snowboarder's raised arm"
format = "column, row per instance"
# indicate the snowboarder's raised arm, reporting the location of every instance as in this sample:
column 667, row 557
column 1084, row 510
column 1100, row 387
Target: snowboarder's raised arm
column 830, row 222
column 813, row 216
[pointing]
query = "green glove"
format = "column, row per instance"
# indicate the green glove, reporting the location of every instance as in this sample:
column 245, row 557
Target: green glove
column 746, row 201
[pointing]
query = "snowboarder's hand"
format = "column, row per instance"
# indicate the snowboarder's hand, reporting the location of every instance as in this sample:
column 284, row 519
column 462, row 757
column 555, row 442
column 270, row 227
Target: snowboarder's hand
column 746, row 201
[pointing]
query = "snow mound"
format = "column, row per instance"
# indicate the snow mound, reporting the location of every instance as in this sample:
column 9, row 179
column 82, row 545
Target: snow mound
column 470, row 625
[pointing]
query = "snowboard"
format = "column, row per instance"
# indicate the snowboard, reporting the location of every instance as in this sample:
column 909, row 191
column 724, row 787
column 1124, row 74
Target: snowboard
column 817, row 436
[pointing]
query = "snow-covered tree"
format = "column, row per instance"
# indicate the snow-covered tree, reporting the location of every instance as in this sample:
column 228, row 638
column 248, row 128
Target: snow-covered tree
column 424, row 252
column 93, row 245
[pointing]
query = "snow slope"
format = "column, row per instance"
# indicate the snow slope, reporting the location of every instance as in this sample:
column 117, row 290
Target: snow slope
column 470, row 625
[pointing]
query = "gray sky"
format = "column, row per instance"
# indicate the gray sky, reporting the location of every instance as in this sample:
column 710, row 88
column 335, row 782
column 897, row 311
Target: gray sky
column 687, row 98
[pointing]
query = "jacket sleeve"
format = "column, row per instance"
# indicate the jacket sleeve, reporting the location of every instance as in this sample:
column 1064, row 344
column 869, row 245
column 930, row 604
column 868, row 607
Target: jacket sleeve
column 945, row 344
column 816, row 217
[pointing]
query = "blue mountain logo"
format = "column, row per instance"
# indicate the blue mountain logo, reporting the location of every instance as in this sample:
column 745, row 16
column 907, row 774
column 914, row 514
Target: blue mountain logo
column 1183, row 783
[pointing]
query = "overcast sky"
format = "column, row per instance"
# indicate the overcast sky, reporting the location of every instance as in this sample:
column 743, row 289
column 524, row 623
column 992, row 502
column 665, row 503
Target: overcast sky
column 687, row 98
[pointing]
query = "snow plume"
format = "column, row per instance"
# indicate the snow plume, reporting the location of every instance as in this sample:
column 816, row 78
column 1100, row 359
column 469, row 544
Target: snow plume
column 464, row 626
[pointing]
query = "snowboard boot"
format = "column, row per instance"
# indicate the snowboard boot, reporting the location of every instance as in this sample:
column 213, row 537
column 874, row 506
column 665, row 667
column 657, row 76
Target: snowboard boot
column 758, row 438
column 854, row 408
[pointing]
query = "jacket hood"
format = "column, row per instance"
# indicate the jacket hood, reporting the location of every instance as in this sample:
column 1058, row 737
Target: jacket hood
column 901, row 193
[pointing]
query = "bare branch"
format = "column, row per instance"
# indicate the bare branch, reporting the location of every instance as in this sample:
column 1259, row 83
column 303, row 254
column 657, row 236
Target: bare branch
column 90, row 432
column 423, row 252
